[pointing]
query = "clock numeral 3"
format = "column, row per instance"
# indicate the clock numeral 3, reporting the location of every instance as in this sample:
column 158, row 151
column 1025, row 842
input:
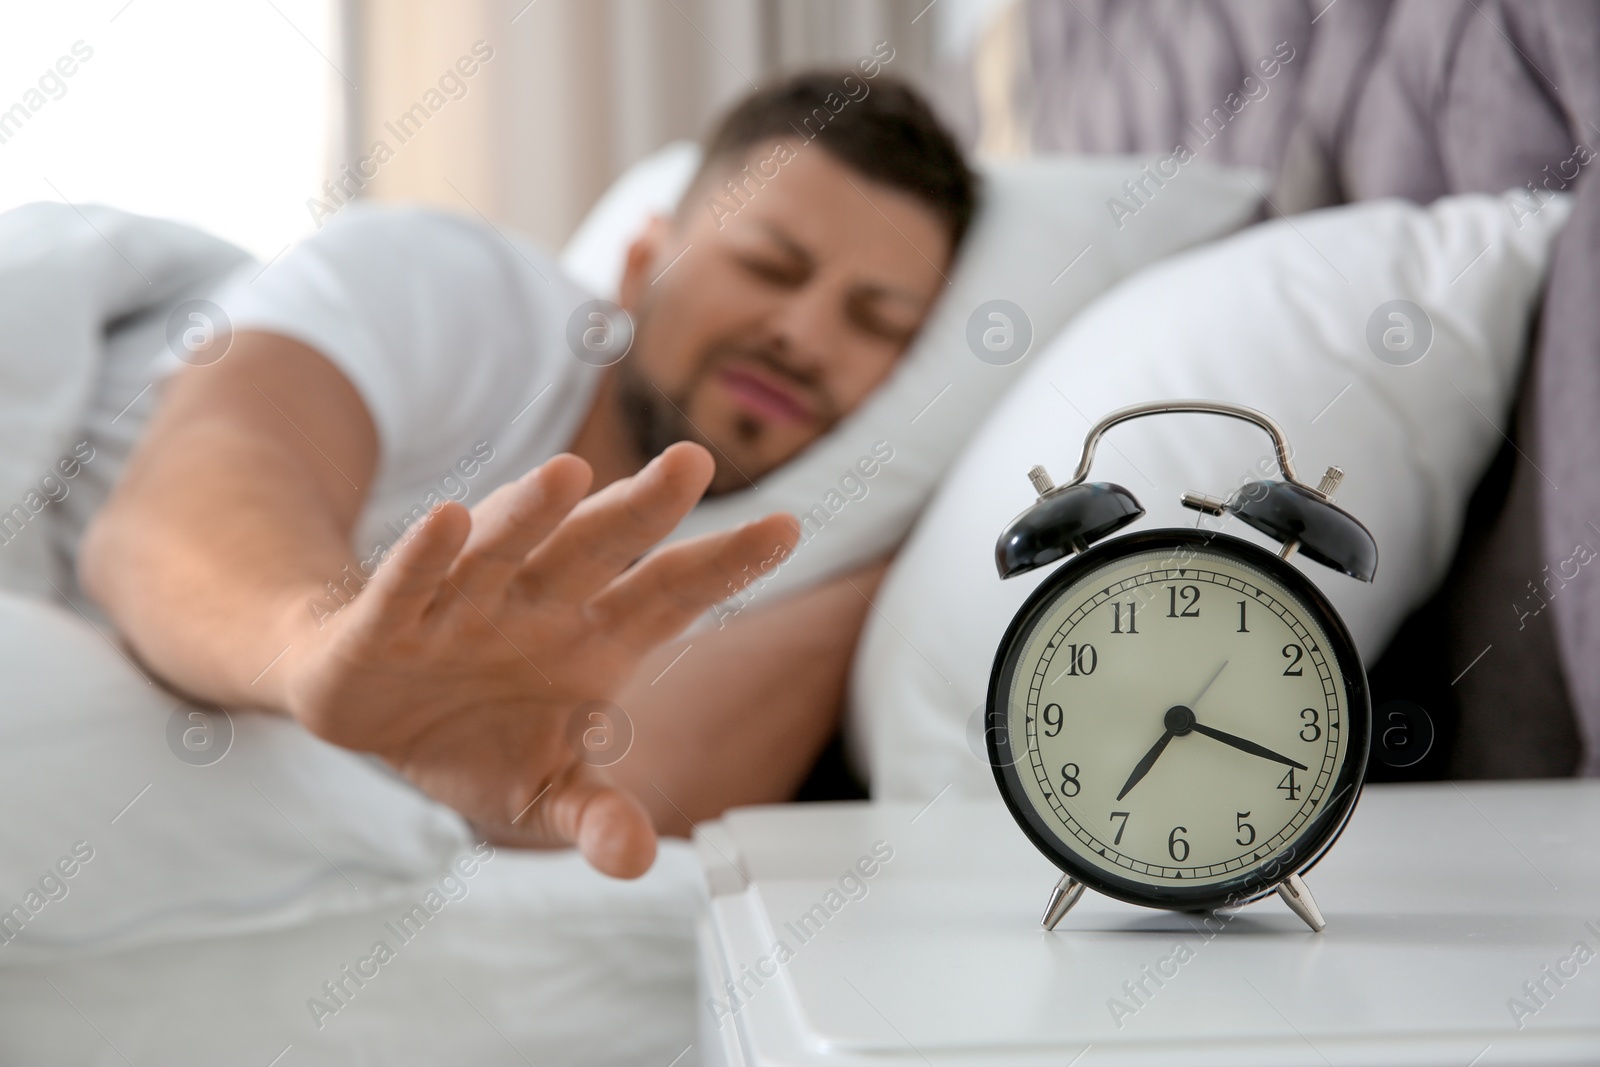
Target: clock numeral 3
column 1173, row 841
column 1190, row 594
column 1293, row 654
column 1243, row 827
column 1315, row 731
column 1069, row 780
column 1118, row 839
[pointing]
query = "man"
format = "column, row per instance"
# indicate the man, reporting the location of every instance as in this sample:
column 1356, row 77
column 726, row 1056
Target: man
column 240, row 552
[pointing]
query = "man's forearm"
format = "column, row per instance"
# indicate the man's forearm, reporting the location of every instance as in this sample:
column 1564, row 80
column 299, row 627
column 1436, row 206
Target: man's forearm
column 223, row 526
column 743, row 714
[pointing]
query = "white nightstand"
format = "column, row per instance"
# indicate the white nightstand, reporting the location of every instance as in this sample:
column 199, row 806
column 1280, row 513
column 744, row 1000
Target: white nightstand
column 1442, row 901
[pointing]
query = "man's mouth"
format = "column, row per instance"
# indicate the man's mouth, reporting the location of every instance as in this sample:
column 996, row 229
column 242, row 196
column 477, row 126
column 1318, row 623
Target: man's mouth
column 764, row 395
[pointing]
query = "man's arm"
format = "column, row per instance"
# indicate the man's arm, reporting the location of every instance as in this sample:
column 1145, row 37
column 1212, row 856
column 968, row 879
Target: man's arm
column 462, row 659
column 741, row 713
column 234, row 509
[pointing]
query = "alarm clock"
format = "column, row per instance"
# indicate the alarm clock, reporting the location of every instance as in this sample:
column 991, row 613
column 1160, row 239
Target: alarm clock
column 1178, row 718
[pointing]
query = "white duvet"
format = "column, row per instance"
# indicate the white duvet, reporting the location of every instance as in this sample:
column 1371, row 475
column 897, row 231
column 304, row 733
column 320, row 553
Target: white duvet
column 542, row 961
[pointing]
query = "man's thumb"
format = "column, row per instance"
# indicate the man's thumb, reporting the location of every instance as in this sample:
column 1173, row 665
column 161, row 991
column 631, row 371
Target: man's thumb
column 609, row 826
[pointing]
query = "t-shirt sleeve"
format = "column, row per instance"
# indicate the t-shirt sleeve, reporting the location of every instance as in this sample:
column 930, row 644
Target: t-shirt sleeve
column 428, row 316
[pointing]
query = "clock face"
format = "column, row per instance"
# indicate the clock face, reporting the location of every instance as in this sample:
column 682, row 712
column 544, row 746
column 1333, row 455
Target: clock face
column 1179, row 718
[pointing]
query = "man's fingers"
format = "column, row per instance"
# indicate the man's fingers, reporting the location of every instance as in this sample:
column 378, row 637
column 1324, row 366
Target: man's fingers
column 617, row 525
column 655, row 600
column 515, row 518
column 409, row 579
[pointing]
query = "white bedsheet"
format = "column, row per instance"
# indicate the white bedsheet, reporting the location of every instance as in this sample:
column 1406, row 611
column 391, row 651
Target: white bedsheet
column 543, row 962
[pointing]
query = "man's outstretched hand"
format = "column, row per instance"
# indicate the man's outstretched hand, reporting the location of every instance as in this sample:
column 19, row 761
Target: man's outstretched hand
column 462, row 661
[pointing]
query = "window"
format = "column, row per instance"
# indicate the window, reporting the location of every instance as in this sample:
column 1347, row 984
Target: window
column 221, row 115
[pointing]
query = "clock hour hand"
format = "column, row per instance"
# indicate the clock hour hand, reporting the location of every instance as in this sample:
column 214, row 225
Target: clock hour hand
column 1145, row 764
column 1245, row 746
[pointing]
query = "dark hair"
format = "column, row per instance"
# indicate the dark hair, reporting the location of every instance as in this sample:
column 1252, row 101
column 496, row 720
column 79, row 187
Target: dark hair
column 887, row 133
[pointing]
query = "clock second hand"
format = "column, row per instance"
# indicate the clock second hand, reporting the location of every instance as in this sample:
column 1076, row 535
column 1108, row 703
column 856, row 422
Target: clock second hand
column 1195, row 703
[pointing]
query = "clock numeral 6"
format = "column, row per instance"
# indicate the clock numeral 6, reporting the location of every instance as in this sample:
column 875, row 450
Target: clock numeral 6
column 1173, row 841
column 1069, row 780
column 1310, row 731
column 1242, row 826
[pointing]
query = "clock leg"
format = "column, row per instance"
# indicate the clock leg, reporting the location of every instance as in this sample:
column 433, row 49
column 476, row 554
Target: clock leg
column 1062, row 898
column 1295, row 894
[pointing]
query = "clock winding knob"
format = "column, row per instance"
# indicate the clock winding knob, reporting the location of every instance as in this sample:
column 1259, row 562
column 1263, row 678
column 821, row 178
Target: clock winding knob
column 1330, row 482
column 1041, row 480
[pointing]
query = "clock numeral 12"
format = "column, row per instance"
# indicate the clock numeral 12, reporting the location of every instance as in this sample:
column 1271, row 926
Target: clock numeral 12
column 1116, row 618
column 1190, row 594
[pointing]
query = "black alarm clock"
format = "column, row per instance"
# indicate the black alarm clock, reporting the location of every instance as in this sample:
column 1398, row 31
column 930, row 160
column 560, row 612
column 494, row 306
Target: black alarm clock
column 1178, row 718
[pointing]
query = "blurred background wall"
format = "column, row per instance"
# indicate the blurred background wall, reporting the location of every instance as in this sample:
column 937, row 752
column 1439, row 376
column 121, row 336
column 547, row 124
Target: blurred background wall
column 577, row 90
column 259, row 119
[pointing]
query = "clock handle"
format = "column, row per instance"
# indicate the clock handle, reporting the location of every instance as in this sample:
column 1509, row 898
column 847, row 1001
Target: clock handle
column 1295, row 894
column 1280, row 441
column 1062, row 898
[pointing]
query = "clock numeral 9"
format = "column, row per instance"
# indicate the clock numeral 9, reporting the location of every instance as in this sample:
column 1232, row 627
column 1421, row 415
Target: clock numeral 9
column 1173, row 841
column 1240, row 825
column 1069, row 778
column 1190, row 594
column 1293, row 654
column 1081, row 659
column 1052, row 720
column 1315, row 731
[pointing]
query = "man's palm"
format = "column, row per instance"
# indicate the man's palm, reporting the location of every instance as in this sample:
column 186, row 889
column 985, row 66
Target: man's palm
column 462, row 662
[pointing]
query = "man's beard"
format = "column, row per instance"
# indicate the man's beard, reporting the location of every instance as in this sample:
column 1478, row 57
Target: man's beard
column 656, row 420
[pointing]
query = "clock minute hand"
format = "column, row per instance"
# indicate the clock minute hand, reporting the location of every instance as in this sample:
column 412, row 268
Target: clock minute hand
column 1245, row 746
column 1145, row 764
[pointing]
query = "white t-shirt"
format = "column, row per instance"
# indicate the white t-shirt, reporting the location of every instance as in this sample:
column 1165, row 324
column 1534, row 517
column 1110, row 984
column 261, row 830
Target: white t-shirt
column 453, row 334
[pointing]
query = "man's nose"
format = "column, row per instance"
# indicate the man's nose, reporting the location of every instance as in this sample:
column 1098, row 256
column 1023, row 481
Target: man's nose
column 809, row 327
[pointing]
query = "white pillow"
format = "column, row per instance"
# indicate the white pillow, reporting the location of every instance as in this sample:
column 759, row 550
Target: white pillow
column 112, row 839
column 1277, row 318
column 1045, row 239
column 595, row 254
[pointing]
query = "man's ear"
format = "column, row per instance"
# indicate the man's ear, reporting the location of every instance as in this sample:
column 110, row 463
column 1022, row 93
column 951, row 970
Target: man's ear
column 643, row 255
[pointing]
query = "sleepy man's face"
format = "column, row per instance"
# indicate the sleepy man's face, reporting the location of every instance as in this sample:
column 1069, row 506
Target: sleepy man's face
column 758, row 329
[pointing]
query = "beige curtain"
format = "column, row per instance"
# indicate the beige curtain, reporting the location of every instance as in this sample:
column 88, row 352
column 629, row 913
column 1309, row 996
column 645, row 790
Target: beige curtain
column 562, row 95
